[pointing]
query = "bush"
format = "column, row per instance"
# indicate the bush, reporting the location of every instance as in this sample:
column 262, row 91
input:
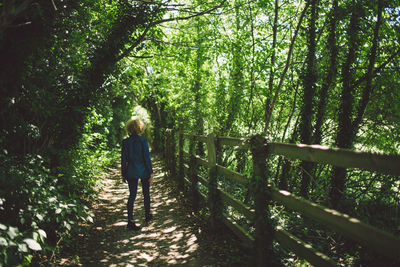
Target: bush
column 33, row 210
column 38, row 204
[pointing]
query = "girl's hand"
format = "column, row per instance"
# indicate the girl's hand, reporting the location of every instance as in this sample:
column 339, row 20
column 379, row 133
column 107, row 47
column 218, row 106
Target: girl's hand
column 151, row 178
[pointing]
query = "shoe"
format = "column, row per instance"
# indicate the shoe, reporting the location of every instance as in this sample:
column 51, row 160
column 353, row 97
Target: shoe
column 133, row 226
column 148, row 218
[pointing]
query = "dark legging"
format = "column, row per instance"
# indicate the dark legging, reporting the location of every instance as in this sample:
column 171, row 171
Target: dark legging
column 132, row 196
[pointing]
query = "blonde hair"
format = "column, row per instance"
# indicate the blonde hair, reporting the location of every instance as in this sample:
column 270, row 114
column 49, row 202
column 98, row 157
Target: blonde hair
column 135, row 126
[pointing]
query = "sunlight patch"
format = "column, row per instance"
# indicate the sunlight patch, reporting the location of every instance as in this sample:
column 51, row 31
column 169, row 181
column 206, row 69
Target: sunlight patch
column 119, row 224
column 174, row 247
column 157, row 204
column 192, row 240
column 162, row 174
column 168, row 221
column 169, row 230
column 178, row 237
column 173, row 261
column 125, row 241
column 148, row 244
column 192, row 248
column 146, row 256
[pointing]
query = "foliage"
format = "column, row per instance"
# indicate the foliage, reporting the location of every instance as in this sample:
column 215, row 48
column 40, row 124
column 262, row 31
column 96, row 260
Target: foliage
column 39, row 204
column 34, row 209
column 73, row 72
column 214, row 73
column 53, row 152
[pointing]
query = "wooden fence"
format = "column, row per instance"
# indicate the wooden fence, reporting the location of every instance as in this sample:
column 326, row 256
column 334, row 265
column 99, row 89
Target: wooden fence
column 377, row 240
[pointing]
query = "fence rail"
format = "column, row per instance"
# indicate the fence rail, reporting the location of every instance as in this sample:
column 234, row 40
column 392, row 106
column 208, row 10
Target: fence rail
column 386, row 164
column 378, row 240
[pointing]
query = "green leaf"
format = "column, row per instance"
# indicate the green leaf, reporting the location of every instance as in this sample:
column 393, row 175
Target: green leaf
column 67, row 225
column 23, row 248
column 42, row 233
column 58, row 211
column 39, row 216
column 32, row 244
column 12, row 232
column 35, row 235
column 3, row 242
column 3, row 227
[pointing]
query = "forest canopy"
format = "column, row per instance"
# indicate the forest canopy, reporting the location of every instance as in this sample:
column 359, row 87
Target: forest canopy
column 73, row 72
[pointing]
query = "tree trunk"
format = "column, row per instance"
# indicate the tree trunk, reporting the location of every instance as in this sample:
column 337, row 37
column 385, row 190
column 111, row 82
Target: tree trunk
column 344, row 134
column 286, row 165
column 270, row 105
column 197, row 88
column 328, row 82
column 271, row 69
column 330, row 76
column 237, row 86
column 348, row 129
column 252, row 76
column 309, row 90
column 370, row 73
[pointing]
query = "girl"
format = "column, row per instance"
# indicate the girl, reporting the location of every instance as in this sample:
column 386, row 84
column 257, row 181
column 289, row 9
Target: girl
column 135, row 165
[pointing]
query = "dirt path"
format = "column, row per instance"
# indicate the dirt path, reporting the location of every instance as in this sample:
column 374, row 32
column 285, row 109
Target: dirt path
column 174, row 237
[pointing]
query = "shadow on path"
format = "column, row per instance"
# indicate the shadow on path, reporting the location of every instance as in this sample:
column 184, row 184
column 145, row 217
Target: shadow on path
column 174, row 237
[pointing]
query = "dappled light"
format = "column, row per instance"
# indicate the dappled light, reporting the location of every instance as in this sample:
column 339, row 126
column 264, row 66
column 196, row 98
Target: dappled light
column 173, row 237
column 162, row 241
column 314, row 146
column 256, row 113
column 284, row 192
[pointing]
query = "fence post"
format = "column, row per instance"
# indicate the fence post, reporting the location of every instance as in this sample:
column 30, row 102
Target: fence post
column 181, row 172
column 167, row 137
column 193, row 175
column 263, row 224
column 172, row 154
column 214, row 199
column 165, row 147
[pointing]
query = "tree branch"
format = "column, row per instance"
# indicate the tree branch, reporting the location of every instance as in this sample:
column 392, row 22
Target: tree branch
column 189, row 17
column 283, row 74
column 141, row 38
column 142, row 56
column 377, row 70
column 173, row 44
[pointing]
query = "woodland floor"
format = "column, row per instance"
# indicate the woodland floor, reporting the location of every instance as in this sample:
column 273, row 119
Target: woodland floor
column 174, row 237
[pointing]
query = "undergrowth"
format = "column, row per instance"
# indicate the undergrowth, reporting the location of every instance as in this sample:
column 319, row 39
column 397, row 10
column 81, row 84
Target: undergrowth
column 42, row 205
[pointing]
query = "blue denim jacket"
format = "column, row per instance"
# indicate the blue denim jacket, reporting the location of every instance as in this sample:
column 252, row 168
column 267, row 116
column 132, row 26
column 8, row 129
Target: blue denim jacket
column 135, row 158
